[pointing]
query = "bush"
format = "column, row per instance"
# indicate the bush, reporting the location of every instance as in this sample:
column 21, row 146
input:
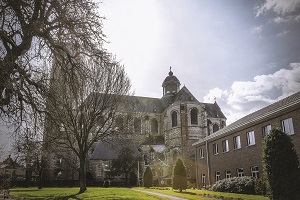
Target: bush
column 106, row 183
column 262, row 185
column 148, row 178
column 242, row 185
column 179, row 176
column 281, row 163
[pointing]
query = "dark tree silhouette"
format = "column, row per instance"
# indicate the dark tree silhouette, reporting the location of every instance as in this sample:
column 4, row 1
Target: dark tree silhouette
column 148, row 178
column 126, row 164
column 281, row 165
column 179, row 176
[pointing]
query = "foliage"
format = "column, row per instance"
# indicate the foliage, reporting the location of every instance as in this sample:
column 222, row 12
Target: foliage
column 281, row 164
column 179, row 176
column 125, row 164
column 148, row 178
column 242, row 185
column 262, row 185
column 106, row 183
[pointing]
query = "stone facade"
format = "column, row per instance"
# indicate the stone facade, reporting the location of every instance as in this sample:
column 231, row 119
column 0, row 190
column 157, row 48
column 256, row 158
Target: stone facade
column 165, row 128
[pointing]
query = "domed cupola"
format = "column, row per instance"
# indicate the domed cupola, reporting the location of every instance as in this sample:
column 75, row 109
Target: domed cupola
column 171, row 84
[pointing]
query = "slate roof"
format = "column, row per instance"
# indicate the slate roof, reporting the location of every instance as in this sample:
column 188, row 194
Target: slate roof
column 157, row 105
column 255, row 116
column 170, row 78
column 110, row 149
column 213, row 110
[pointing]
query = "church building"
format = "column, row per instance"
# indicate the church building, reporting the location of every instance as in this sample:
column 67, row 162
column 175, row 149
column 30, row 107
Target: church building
column 165, row 128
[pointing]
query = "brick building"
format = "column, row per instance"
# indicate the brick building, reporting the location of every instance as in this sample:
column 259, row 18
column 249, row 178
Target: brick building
column 236, row 150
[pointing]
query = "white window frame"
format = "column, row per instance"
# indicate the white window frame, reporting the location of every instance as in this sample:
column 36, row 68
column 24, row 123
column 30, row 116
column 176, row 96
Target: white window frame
column 225, row 146
column 251, row 138
column 237, row 142
column 227, row 174
column 266, row 130
column 201, row 153
column 287, row 126
column 218, row 176
column 254, row 171
column 240, row 172
column 215, row 149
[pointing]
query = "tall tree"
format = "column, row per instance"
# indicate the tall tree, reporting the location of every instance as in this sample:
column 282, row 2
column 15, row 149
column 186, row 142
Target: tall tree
column 148, row 178
column 281, row 164
column 126, row 164
column 179, row 176
column 33, row 34
column 83, row 105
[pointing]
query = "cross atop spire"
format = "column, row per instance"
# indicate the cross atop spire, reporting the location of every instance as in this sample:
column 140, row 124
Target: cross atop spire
column 170, row 68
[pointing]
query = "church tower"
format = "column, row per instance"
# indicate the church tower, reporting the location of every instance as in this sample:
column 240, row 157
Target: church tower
column 171, row 84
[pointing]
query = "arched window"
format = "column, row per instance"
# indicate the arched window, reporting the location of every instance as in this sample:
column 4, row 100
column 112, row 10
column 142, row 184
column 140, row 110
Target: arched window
column 137, row 125
column 215, row 128
column 194, row 116
column 119, row 122
column 174, row 118
column 154, row 126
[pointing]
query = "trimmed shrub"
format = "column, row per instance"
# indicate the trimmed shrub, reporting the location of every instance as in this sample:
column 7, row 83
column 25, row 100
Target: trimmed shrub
column 242, row 185
column 148, row 178
column 179, row 176
column 106, row 183
column 281, row 164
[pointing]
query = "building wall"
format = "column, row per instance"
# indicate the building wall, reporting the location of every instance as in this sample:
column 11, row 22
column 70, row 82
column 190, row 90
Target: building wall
column 247, row 156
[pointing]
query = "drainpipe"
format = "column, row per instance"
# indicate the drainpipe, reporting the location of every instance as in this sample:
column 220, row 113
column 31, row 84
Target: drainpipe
column 207, row 161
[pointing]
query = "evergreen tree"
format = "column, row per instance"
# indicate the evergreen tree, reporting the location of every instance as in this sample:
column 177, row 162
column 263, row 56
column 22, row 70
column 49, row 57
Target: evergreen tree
column 148, row 178
column 179, row 176
column 281, row 164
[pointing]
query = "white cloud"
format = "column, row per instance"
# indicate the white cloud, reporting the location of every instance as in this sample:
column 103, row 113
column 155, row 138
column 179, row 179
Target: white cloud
column 279, row 6
column 257, row 29
column 282, row 33
column 246, row 97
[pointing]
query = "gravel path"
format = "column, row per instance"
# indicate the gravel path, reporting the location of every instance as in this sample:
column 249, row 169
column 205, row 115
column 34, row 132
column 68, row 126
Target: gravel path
column 162, row 195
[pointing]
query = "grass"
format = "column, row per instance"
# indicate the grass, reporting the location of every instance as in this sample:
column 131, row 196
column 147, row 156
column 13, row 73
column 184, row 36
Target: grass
column 72, row 193
column 195, row 194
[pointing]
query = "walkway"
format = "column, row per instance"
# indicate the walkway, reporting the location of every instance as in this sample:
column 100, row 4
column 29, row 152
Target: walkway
column 162, row 195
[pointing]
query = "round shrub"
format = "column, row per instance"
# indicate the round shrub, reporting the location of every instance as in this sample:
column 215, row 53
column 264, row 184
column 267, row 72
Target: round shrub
column 242, row 185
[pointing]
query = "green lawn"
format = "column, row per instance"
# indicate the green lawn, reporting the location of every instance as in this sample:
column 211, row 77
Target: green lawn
column 195, row 194
column 121, row 193
column 71, row 193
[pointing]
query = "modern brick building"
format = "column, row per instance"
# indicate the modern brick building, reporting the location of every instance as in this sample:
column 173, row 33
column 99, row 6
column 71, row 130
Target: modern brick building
column 236, row 150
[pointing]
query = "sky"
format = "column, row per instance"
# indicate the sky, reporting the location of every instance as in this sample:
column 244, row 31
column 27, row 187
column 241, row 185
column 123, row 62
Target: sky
column 244, row 53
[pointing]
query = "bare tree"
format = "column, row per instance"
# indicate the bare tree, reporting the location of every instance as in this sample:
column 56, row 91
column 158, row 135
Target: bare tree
column 83, row 107
column 32, row 34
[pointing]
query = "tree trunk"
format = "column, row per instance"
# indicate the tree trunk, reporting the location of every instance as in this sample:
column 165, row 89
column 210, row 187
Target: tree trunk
column 40, row 180
column 82, row 175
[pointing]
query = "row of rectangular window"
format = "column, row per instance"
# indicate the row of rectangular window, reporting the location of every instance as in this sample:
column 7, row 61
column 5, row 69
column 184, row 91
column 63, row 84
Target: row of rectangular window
column 287, row 127
column 239, row 171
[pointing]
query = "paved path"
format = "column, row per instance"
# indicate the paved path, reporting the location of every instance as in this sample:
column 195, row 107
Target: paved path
column 162, row 195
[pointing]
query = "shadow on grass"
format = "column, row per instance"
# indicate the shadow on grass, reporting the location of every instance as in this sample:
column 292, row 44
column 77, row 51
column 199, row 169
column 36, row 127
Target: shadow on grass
column 185, row 192
column 25, row 190
column 72, row 196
